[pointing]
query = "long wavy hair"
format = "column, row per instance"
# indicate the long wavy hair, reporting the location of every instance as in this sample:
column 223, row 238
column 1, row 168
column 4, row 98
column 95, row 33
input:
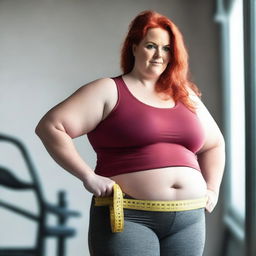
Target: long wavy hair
column 174, row 81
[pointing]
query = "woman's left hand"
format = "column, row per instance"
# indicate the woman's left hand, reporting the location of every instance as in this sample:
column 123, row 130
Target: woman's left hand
column 212, row 200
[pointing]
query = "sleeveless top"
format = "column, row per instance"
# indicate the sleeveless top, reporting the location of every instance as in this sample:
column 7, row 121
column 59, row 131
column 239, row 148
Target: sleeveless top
column 136, row 136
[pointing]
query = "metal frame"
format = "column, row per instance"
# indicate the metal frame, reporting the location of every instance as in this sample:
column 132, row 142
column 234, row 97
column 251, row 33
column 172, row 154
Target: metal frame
column 61, row 231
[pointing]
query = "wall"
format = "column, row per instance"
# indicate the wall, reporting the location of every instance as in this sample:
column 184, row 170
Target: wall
column 48, row 49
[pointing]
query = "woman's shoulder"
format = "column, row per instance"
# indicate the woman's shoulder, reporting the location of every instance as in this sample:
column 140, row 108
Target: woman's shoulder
column 100, row 83
column 100, row 88
column 104, row 89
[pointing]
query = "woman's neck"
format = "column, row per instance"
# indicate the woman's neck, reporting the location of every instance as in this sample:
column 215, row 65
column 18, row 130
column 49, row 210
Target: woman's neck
column 144, row 80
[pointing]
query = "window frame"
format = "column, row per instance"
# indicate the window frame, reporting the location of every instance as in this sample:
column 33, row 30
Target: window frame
column 250, row 124
column 242, row 230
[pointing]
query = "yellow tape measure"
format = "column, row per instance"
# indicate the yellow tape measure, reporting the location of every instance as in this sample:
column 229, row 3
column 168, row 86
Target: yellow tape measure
column 116, row 210
column 117, row 203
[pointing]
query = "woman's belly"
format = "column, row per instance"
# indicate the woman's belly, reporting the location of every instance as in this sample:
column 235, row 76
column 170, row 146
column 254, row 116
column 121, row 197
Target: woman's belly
column 169, row 183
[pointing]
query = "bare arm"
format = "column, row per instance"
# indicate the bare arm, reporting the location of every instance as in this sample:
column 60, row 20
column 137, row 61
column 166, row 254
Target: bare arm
column 211, row 156
column 76, row 116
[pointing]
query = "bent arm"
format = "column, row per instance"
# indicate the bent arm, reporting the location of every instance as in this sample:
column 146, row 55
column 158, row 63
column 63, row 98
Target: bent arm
column 211, row 159
column 75, row 116
column 211, row 156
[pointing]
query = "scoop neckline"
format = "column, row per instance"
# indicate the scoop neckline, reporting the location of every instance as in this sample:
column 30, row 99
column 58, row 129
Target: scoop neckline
column 143, row 103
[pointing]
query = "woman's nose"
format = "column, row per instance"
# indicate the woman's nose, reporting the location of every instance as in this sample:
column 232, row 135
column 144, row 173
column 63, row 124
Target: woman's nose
column 158, row 52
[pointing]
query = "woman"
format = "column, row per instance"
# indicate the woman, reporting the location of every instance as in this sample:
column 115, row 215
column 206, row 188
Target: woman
column 153, row 137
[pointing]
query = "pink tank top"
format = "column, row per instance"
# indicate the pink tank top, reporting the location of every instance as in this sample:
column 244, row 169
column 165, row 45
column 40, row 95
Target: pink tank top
column 136, row 136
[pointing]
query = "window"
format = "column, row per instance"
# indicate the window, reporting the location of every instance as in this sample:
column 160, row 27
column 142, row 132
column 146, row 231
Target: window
column 237, row 112
column 238, row 38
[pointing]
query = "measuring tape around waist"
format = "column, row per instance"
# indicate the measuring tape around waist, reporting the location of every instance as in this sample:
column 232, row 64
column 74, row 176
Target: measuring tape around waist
column 117, row 203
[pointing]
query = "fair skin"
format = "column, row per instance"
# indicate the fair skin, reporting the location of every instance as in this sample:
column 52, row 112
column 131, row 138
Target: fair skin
column 92, row 103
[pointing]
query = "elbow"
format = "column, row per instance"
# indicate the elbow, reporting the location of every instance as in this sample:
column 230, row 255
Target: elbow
column 44, row 127
column 218, row 143
column 221, row 141
column 37, row 129
column 41, row 129
column 47, row 129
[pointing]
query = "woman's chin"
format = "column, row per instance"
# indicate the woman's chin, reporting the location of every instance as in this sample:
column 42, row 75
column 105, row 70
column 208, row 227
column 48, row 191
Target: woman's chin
column 155, row 72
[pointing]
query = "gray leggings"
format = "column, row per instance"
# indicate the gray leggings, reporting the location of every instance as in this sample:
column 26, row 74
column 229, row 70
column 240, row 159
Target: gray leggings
column 147, row 233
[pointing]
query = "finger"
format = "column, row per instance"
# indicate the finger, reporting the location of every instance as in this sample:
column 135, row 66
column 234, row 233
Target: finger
column 97, row 193
column 105, row 193
column 208, row 209
column 210, row 206
column 109, row 190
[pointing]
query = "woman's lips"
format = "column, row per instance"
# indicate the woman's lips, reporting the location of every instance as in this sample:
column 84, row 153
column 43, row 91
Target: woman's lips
column 155, row 62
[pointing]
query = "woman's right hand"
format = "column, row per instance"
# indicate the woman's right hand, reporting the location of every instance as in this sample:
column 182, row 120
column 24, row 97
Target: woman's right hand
column 99, row 185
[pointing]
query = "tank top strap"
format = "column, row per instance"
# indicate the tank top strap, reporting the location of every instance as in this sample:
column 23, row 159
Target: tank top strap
column 123, row 93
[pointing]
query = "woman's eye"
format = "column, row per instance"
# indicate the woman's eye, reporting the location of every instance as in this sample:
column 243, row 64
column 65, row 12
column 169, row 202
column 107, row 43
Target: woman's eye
column 167, row 48
column 150, row 46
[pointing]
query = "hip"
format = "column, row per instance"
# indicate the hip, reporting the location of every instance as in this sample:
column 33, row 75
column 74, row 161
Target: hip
column 154, row 227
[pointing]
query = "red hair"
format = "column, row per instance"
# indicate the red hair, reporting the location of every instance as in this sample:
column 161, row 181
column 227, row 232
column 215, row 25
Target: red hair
column 174, row 80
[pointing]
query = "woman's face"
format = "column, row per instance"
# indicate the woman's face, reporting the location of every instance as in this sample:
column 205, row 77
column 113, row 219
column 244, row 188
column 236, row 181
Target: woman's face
column 152, row 54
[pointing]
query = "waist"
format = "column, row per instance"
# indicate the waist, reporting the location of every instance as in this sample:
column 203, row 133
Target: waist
column 114, row 161
column 171, row 183
column 154, row 205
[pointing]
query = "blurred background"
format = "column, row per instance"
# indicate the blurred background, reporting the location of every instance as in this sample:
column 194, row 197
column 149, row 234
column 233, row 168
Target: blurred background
column 49, row 48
